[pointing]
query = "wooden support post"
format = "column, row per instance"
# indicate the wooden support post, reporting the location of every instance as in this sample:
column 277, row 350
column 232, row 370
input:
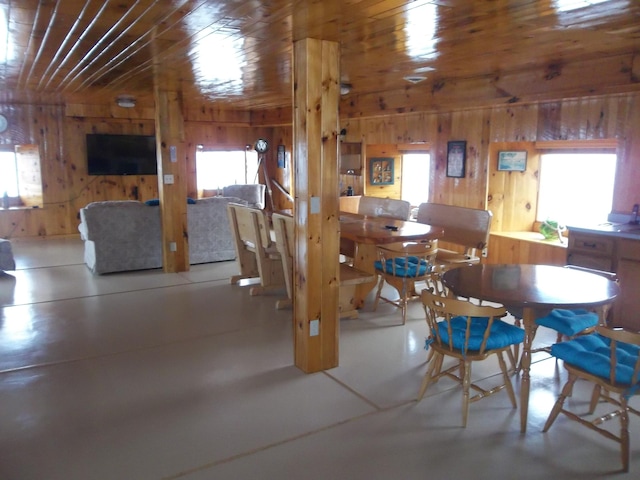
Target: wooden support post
column 315, row 140
column 173, row 196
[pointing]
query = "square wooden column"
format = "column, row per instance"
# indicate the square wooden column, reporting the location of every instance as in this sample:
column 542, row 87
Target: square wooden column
column 315, row 142
column 172, row 190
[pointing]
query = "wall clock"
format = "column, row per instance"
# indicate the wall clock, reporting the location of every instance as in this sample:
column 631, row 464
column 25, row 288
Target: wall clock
column 3, row 123
column 261, row 145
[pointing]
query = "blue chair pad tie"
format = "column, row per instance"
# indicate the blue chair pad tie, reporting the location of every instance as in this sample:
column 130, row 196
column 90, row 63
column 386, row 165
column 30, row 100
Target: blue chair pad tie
column 502, row 334
column 569, row 322
column 592, row 353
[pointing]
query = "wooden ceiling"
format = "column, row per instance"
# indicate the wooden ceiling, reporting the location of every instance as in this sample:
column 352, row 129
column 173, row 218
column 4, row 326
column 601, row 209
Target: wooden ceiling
column 239, row 53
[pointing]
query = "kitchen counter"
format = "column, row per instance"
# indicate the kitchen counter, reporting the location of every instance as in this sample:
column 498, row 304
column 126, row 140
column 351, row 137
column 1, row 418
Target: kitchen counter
column 619, row 230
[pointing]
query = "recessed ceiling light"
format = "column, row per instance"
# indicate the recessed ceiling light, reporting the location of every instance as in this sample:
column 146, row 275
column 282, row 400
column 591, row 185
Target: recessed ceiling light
column 415, row 79
column 424, row 69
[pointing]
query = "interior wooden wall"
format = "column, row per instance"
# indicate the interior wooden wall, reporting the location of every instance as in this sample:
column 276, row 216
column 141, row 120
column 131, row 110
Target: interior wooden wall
column 59, row 132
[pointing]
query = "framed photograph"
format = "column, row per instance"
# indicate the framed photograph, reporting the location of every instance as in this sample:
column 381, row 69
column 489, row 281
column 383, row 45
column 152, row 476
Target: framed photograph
column 456, row 158
column 281, row 153
column 381, row 171
column 512, row 161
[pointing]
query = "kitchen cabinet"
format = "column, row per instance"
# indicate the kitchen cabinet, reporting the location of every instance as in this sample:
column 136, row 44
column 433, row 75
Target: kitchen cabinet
column 612, row 253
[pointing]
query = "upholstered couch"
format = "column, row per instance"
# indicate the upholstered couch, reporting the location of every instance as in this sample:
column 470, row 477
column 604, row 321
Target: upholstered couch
column 7, row 261
column 127, row 235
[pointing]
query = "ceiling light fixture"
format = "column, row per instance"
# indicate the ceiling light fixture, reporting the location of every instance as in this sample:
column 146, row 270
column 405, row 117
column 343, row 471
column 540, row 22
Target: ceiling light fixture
column 345, row 88
column 415, row 79
column 126, row 101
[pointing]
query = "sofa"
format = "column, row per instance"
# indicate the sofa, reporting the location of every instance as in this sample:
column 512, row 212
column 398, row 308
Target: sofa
column 127, row 235
column 7, row 261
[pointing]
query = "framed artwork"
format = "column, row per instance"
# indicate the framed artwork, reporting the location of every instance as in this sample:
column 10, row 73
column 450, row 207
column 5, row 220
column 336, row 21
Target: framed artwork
column 281, row 153
column 381, row 171
column 456, row 158
column 512, row 161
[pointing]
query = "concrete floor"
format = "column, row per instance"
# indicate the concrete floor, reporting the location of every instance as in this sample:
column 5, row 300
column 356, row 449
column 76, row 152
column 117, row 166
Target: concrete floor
column 148, row 375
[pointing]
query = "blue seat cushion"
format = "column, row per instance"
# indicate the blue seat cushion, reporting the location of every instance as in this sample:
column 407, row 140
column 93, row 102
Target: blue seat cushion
column 502, row 334
column 569, row 322
column 410, row 267
column 592, row 353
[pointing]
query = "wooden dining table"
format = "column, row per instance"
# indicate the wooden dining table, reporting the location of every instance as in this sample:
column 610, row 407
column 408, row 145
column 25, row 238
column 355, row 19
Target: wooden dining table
column 535, row 290
column 368, row 231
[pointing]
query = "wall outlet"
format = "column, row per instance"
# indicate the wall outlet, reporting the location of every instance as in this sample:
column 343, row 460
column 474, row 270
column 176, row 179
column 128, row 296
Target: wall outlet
column 168, row 179
column 173, row 246
column 314, row 328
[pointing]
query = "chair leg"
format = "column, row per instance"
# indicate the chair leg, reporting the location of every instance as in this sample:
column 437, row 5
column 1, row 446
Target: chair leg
column 624, row 433
column 595, row 397
column 506, row 379
column 557, row 408
column 378, row 293
column 466, row 383
column 437, row 358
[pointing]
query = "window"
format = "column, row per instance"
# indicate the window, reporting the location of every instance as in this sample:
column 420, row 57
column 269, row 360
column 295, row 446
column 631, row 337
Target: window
column 9, row 176
column 20, row 175
column 576, row 188
column 415, row 178
column 218, row 168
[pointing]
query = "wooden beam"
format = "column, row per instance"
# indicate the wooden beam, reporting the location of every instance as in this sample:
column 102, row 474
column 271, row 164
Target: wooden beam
column 172, row 161
column 315, row 140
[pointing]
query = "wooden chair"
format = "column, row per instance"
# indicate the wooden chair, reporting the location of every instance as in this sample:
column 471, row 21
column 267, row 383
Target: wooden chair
column 350, row 277
column 257, row 256
column 469, row 333
column 610, row 359
column 401, row 265
column 466, row 228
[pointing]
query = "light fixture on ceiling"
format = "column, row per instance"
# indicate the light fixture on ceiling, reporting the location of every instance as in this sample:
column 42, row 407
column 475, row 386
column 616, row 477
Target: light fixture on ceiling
column 126, row 101
column 345, row 88
column 415, row 79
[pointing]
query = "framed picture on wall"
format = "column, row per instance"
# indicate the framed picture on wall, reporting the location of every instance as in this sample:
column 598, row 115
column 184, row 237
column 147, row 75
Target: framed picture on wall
column 512, row 161
column 456, row 158
column 381, row 171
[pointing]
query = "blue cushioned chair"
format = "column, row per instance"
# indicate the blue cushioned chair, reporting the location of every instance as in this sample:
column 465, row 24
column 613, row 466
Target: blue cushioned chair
column 610, row 359
column 401, row 265
column 570, row 323
column 468, row 332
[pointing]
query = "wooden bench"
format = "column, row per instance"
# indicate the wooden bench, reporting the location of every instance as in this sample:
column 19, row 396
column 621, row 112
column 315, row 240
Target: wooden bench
column 257, row 256
column 350, row 277
column 467, row 229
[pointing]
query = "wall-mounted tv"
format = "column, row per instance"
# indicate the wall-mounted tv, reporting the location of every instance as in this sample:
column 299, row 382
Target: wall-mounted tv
column 121, row 155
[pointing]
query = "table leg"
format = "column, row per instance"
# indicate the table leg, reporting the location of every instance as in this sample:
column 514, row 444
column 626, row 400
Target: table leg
column 366, row 255
column 530, row 327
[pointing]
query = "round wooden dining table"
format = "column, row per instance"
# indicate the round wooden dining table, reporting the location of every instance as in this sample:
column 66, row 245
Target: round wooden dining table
column 534, row 290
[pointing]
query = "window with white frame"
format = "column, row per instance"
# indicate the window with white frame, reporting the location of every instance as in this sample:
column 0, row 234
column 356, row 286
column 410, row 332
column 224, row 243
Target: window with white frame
column 576, row 188
column 218, row 168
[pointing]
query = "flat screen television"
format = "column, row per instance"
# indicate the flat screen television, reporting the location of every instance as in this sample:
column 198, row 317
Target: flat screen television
column 121, row 155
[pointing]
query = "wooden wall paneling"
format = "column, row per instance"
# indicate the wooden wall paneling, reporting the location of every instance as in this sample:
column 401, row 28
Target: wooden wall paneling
column 512, row 196
column 626, row 192
column 511, row 250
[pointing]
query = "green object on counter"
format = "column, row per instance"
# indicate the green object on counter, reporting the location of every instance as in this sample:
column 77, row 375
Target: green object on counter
column 550, row 229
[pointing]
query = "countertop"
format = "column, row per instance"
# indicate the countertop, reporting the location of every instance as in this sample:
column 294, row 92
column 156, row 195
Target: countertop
column 619, row 230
